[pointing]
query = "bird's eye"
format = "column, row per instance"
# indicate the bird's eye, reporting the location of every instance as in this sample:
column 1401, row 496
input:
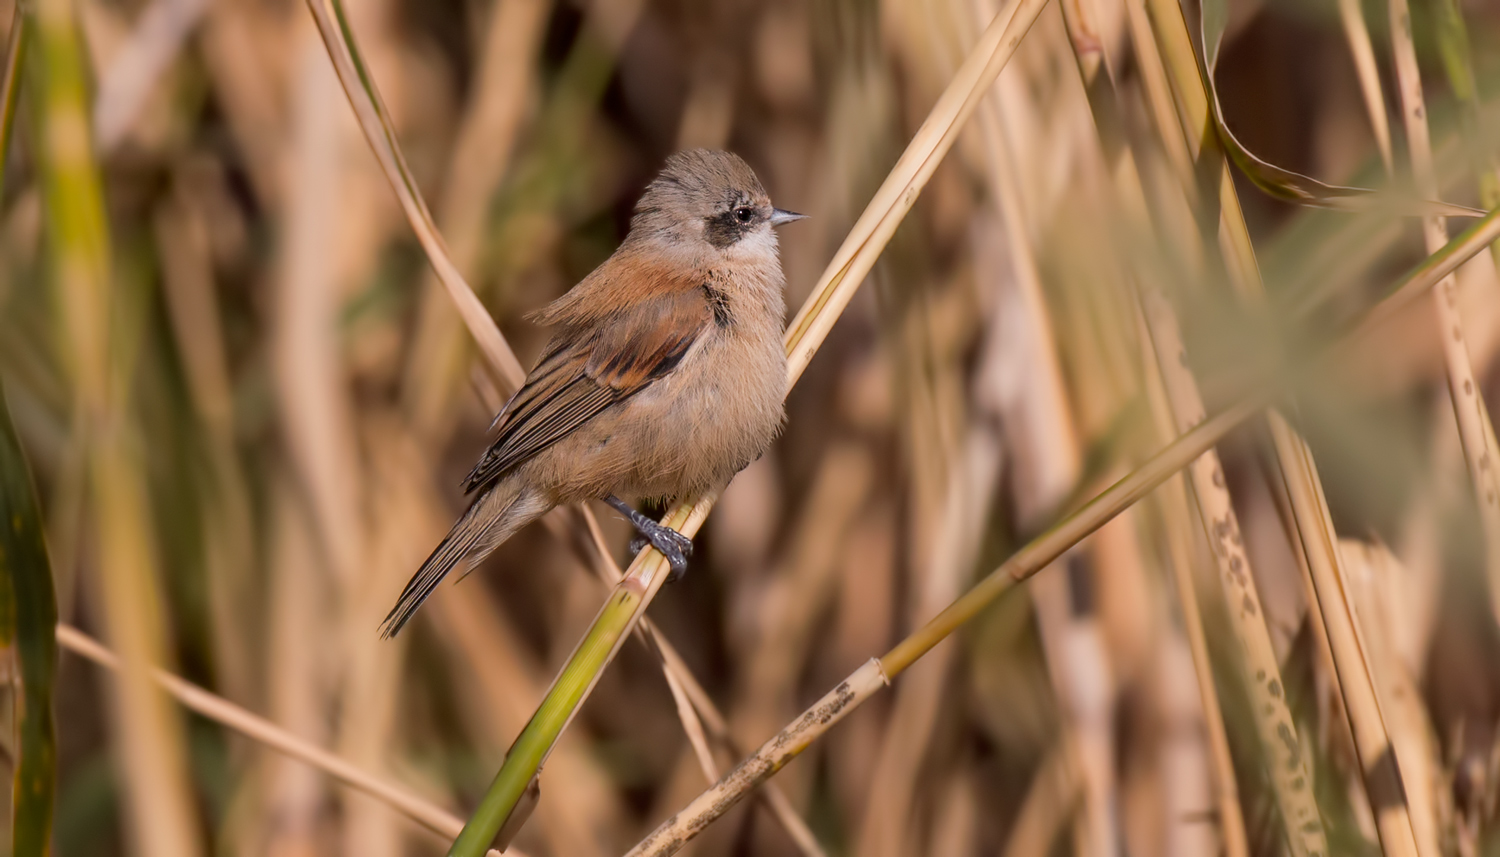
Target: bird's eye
column 744, row 214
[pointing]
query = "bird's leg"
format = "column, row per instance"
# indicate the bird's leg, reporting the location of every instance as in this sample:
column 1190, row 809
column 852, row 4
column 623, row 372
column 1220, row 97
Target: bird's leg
column 673, row 545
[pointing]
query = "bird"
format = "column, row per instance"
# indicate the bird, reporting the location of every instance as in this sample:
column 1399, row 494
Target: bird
column 664, row 375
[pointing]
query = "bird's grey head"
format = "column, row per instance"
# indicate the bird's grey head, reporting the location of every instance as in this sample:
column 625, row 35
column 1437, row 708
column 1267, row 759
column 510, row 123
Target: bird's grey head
column 706, row 197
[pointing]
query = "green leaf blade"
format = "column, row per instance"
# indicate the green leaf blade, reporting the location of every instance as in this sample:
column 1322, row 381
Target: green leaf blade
column 27, row 577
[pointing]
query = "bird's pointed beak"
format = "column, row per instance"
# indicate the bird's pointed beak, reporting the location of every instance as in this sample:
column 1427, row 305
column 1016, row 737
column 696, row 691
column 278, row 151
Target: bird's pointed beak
column 781, row 215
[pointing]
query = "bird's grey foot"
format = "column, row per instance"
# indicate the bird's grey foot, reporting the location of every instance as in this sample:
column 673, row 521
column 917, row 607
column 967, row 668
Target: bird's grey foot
column 673, row 545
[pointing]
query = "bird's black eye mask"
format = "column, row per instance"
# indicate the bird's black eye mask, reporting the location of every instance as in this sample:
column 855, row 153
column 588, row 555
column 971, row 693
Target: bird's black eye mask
column 731, row 224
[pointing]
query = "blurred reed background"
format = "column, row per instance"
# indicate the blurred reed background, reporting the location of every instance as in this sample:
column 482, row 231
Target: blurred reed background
column 247, row 403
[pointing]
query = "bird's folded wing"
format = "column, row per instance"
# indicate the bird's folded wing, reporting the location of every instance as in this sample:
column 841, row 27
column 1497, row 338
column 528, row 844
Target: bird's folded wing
column 585, row 371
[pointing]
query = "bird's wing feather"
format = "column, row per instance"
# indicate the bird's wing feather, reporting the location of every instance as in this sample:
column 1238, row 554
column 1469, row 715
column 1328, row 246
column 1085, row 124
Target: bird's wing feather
column 585, row 371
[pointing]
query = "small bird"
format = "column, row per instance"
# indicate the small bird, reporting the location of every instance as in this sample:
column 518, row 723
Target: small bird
column 664, row 376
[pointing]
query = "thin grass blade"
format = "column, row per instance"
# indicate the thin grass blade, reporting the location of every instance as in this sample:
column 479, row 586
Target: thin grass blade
column 29, row 609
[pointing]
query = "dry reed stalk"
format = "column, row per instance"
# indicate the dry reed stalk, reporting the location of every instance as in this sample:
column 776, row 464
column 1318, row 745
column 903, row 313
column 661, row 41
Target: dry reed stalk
column 1044, row 443
column 856, row 256
column 1180, row 769
column 1474, row 428
column 701, row 718
column 317, row 409
column 697, row 738
column 289, row 819
column 1173, row 504
column 1260, row 671
column 1384, row 619
column 1129, row 198
column 372, row 671
column 1178, row 145
column 316, row 405
column 1384, row 781
column 710, row 726
column 1084, row 682
column 942, row 559
column 1352, row 18
column 1314, row 534
column 263, row 731
column 324, row 251
column 1049, row 437
column 149, row 737
column 955, row 829
column 152, row 745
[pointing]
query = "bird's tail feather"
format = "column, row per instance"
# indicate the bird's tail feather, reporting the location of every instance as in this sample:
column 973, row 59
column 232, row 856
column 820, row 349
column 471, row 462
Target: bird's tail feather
column 493, row 517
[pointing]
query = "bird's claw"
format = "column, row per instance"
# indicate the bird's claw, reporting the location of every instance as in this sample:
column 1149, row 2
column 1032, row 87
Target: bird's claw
column 671, row 544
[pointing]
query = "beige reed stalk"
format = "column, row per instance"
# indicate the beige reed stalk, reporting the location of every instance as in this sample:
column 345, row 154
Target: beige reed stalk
column 1045, row 433
column 1474, row 427
column 1179, row 397
column 1385, row 621
column 1286, row 761
column 1352, row 18
column 1313, row 535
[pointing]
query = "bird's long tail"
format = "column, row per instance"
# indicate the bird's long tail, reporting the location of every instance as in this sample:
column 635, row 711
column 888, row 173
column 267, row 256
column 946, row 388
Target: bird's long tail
column 493, row 517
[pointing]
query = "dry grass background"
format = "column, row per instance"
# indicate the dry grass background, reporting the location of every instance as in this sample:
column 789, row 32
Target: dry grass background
column 247, row 424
